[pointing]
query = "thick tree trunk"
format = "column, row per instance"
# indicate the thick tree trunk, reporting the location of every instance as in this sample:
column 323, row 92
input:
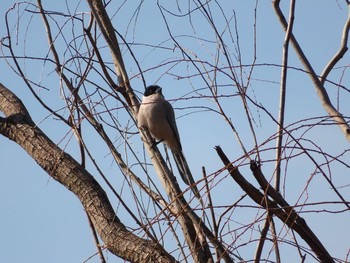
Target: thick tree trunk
column 19, row 127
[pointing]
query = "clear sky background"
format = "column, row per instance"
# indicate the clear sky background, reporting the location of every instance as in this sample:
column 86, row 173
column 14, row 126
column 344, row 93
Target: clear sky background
column 41, row 221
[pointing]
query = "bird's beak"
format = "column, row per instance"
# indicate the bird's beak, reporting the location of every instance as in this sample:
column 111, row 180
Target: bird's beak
column 159, row 90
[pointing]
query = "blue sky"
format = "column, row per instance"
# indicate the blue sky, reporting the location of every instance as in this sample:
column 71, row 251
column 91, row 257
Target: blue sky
column 43, row 222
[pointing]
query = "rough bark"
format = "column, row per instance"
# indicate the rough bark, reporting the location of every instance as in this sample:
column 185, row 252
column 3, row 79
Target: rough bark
column 19, row 127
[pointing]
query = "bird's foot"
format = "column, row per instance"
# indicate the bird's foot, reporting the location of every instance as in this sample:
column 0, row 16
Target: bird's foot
column 155, row 143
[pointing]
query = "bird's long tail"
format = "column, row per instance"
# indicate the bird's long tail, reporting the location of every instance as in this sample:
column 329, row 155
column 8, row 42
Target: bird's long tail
column 185, row 173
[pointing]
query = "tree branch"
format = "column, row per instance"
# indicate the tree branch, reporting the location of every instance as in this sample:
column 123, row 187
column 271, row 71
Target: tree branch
column 341, row 52
column 282, row 103
column 320, row 89
column 199, row 248
column 107, row 30
column 18, row 127
column 278, row 207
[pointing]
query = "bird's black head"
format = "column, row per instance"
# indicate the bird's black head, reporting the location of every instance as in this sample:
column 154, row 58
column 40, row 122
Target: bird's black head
column 152, row 90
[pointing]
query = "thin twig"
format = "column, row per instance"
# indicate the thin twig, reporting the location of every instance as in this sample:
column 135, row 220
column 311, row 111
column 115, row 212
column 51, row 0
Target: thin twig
column 77, row 131
column 282, row 103
column 275, row 240
column 341, row 52
column 97, row 243
column 262, row 239
column 211, row 209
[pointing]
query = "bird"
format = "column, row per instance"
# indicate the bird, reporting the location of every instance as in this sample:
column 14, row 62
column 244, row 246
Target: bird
column 158, row 116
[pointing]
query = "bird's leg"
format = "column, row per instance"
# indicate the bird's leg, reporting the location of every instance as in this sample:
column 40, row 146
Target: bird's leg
column 155, row 143
column 152, row 143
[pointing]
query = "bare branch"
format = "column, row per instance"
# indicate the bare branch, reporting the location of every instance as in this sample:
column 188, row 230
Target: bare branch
column 262, row 239
column 282, row 102
column 340, row 53
column 63, row 168
column 285, row 213
column 209, row 65
column 321, row 91
column 107, row 30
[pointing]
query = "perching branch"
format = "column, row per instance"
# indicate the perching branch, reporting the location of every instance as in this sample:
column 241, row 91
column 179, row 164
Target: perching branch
column 199, row 248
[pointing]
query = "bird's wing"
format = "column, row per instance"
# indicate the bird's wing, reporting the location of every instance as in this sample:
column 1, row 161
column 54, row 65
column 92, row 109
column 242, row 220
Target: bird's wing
column 172, row 122
column 179, row 157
